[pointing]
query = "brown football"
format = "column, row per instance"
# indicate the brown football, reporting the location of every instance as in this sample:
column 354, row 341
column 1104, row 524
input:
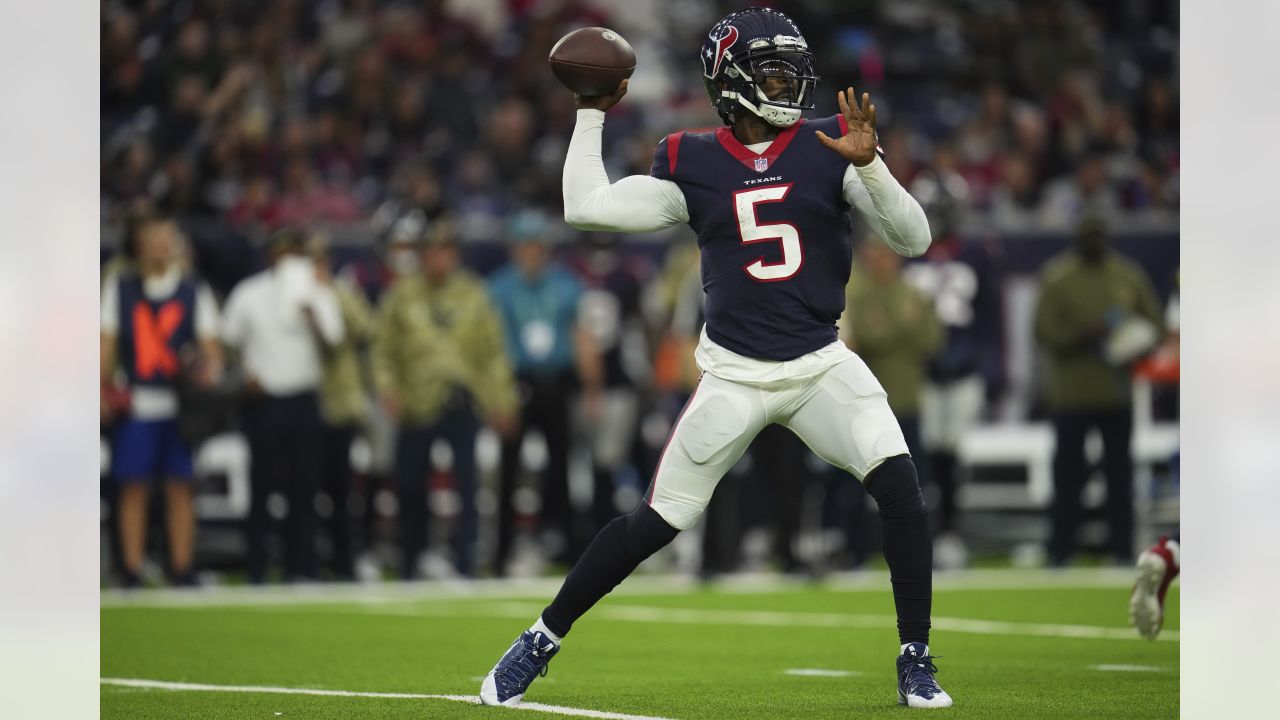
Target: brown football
column 592, row 61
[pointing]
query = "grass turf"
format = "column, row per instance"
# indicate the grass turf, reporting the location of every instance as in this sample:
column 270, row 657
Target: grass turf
column 708, row 665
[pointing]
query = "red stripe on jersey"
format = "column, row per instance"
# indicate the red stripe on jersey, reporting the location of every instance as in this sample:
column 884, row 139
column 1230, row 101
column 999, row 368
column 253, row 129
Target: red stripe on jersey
column 740, row 152
column 673, row 151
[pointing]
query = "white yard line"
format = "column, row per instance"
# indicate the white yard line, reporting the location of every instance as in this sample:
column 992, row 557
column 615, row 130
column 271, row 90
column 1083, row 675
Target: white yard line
column 818, row 672
column 473, row 699
column 753, row 583
column 773, row 618
column 1127, row 668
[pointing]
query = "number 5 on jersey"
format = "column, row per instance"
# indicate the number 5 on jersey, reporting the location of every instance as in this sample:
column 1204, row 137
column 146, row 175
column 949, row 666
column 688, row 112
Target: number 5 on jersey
column 749, row 227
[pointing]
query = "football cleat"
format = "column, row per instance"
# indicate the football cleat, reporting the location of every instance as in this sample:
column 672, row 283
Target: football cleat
column 1157, row 567
column 916, row 686
column 524, row 662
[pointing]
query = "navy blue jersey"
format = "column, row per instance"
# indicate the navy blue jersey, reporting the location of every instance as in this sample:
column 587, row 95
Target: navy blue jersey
column 773, row 232
column 963, row 278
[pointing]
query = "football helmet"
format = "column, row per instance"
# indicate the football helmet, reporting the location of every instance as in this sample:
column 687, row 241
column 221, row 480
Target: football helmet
column 746, row 49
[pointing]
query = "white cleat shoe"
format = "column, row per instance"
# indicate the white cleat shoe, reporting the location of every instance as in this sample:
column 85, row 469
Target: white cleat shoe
column 1157, row 567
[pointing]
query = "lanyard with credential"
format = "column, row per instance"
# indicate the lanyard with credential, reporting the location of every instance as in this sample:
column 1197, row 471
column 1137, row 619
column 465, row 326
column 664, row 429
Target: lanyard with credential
column 535, row 319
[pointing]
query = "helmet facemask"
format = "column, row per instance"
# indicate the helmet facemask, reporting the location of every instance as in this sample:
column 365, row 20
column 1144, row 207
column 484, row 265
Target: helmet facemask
column 784, row 61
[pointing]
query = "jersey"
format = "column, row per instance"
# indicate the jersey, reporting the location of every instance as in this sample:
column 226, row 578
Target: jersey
column 773, row 232
column 153, row 332
column 963, row 280
column 610, row 306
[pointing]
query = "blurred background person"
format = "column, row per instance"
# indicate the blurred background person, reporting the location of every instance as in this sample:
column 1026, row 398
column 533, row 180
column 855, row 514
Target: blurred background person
column 1093, row 302
column 893, row 328
column 157, row 323
column 554, row 357
column 962, row 280
column 610, row 313
column 344, row 406
column 282, row 322
column 440, row 370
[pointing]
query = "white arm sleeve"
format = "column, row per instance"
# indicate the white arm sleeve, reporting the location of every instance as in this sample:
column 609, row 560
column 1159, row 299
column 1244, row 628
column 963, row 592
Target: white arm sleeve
column 637, row 203
column 887, row 207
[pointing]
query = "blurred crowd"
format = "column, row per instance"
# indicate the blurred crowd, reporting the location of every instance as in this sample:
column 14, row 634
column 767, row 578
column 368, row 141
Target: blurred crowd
column 298, row 111
column 245, row 144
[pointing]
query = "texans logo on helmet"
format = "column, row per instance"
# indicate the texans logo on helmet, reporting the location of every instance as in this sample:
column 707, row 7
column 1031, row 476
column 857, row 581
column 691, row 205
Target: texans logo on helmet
column 723, row 43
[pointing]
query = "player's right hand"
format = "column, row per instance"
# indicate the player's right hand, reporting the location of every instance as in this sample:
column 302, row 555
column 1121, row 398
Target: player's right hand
column 601, row 102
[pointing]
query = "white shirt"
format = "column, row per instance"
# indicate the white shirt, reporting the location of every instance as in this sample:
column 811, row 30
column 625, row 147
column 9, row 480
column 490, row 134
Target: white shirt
column 149, row 402
column 640, row 203
column 264, row 319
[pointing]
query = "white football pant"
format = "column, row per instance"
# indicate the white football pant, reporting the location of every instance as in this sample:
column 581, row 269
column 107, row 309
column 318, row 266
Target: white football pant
column 842, row 415
column 948, row 410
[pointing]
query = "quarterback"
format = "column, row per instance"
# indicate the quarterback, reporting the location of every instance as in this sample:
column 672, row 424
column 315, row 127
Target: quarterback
column 767, row 196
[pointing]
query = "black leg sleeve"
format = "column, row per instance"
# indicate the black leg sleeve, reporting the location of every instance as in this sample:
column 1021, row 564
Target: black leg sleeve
column 614, row 553
column 908, row 545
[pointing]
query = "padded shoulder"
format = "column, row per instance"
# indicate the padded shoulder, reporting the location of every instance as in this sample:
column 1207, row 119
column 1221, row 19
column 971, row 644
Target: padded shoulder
column 673, row 150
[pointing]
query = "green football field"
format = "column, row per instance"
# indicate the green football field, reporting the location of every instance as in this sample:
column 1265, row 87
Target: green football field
column 1013, row 644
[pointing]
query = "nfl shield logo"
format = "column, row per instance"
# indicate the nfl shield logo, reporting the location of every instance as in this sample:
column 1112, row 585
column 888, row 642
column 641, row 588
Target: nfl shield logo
column 762, row 164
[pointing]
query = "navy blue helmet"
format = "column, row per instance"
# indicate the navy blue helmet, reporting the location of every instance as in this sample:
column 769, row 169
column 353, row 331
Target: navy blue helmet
column 746, row 48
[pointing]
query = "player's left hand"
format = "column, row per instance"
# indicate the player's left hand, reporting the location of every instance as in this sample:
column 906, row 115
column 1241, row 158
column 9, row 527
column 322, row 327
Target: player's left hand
column 858, row 145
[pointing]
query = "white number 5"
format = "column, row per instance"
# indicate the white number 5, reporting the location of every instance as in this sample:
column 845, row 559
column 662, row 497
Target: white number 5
column 744, row 205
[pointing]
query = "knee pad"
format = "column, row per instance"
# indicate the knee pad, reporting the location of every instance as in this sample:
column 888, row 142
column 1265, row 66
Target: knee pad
column 896, row 488
column 643, row 533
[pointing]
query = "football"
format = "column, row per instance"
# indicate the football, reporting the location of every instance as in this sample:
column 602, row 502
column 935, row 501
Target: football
column 592, row 61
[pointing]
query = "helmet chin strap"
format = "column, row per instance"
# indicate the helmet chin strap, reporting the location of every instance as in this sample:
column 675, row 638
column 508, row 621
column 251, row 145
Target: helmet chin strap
column 772, row 114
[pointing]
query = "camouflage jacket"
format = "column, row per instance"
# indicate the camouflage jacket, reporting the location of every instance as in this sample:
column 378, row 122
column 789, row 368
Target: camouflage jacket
column 438, row 345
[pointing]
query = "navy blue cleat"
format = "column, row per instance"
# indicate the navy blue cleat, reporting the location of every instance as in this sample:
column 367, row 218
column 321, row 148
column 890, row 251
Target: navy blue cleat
column 916, row 686
column 525, row 661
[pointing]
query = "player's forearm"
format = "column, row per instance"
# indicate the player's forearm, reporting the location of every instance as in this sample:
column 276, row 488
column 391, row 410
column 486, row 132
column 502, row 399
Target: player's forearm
column 901, row 220
column 634, row 204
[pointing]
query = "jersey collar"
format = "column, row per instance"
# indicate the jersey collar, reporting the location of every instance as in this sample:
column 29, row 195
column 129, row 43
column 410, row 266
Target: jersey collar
column 758, row 162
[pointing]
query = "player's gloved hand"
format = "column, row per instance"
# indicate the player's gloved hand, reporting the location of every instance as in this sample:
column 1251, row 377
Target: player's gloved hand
column 858, row 145
column 601, row 102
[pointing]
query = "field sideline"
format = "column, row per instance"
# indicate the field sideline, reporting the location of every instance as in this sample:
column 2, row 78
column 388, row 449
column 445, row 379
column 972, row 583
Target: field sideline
column 1012, row 643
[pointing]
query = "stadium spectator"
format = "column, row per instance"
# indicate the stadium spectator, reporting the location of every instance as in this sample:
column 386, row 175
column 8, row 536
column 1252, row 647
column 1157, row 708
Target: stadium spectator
column 1093, row 302
column 282, row 322
column 610, row 312
column 440, row 370
column 157, row 322
column 554, row 356
column 343, row 404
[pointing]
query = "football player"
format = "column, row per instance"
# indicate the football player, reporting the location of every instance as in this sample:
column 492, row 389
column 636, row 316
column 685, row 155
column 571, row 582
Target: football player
column 767, row 196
